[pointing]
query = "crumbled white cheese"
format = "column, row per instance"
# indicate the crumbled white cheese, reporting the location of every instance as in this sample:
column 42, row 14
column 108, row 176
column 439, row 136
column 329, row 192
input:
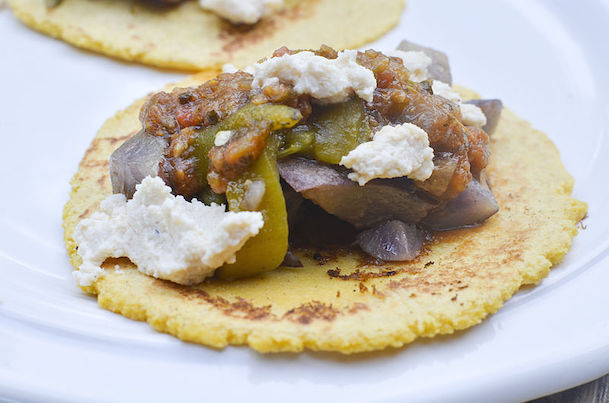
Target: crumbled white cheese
column 328, row 80
column 222, row 137
column 471, row 115
column 445, row 91
column 241, row 11
column 231, row 68
column 395, row 151
column 164, row 235
column 416, row 62
column 254, row 192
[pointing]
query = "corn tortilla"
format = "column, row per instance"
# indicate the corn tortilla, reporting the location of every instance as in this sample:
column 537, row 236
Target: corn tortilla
column 187, row 37
column 340, row 303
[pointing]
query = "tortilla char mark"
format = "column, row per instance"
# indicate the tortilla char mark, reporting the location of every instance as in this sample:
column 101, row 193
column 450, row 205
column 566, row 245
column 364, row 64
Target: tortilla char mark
column 239, row 36
column 458, row 273
column 306, row 313
column 363, row 275
column 369, row 267
column 322, row 258
column 241, row 308
column 96, row 148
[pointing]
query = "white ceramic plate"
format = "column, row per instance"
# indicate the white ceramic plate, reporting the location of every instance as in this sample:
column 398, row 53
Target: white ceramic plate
column 547, row 60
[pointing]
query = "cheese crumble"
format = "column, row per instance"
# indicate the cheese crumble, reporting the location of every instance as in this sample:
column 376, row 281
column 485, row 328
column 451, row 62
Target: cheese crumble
column 471, row 115
column 395, row 151
column 241, row 11
column 445, row 91
column 231, row 68
column 328, row 80
column 416, row 62
column 222, row 137
column 164, row 235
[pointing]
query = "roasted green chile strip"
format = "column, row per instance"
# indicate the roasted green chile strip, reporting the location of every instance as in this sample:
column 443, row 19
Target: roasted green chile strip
column 266, row 250
column 338, row 129
column 251, row 126
column 298, row 140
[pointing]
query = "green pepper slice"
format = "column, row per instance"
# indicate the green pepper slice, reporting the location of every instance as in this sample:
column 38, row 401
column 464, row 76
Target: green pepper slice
column 339, row 128
column 298, row 140
column 267, row 249
column 202, row 145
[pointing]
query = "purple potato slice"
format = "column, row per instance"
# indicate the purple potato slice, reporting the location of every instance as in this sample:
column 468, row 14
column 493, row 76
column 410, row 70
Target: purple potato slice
column 392, row 241
column 135, row 159
column 362, row 206
column 470, row 208
column 291, row 260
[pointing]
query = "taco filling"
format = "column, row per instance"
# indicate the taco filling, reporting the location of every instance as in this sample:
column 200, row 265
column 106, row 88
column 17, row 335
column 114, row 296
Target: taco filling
column 225, row 178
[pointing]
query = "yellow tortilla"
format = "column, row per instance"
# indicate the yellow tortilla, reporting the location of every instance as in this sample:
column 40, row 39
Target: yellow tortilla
column 189, row 38
column 342, row 304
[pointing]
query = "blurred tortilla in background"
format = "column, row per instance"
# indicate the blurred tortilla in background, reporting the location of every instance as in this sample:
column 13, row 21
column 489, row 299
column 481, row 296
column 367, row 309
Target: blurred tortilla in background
column 187, row 37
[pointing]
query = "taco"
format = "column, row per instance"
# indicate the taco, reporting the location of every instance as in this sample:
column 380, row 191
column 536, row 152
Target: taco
column 183, row 35
column 360, row 210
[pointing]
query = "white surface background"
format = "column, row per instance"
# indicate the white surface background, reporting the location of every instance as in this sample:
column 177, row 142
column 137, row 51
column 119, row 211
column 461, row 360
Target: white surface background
column 547, row 60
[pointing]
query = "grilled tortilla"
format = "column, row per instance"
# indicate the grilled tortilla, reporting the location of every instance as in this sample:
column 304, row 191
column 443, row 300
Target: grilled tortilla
column 340, row 302
column 189, row 38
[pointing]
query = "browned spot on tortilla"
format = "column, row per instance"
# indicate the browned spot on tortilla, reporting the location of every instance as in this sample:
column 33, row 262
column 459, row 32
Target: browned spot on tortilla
column 118, row 139
column 488, row 267
column 85, row 213
column 238, row 36
column 101, row 181
column 322, row 259
column 96, row 148
column 362, row 288
column 102, row 164
column 376, row 292
column 325, row 255
column 251, row 312
column 241, row 308
column 92, row 151
column 310, row 311
column 365, row 259
column 358, row 306
column 423, row 286
column 363, row 275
